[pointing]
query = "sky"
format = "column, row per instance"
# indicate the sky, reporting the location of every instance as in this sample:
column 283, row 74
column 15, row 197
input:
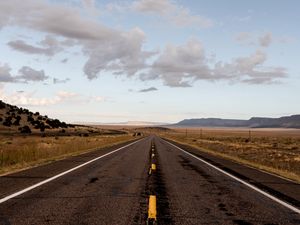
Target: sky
column 151, row 60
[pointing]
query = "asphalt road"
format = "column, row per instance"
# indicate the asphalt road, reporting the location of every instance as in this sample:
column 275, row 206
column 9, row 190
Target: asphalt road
column 114, row 189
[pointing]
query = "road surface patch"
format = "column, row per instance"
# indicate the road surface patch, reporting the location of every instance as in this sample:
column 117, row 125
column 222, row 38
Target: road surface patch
column 285, row 204
column 2, row 200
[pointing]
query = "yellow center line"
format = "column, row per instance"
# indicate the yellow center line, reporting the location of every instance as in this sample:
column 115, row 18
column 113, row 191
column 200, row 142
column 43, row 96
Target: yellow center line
column 152, row 208
column 153, row 166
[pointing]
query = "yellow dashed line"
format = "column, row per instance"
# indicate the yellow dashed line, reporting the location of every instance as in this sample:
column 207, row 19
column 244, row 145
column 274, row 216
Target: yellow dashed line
column 152, row 208
column 153, row 166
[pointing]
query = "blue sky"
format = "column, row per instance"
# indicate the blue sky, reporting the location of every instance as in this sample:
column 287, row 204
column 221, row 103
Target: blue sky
column 150, row 60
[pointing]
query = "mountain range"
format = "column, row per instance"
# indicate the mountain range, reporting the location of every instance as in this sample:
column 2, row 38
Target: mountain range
column 255, row 122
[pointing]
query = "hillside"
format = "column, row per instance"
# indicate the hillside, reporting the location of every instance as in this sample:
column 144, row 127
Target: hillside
column 13, row 118
column 255, row 122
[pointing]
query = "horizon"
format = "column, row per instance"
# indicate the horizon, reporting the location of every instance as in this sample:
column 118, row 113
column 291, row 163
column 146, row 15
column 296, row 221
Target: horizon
column 165, row 123
column 148, row 61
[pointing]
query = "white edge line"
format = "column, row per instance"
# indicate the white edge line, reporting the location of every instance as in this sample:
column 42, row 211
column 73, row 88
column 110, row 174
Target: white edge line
column 61, row 174
column 296, row 210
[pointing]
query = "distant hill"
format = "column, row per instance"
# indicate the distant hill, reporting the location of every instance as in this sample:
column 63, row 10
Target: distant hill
column 255, row 122
column 23, row 121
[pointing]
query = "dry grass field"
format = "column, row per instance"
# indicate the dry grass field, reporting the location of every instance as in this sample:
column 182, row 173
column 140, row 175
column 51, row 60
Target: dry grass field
column 19, row 152
column 273, row 150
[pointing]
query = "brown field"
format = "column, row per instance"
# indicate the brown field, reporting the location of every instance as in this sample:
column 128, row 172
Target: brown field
column 273, row 150
column 22, row 151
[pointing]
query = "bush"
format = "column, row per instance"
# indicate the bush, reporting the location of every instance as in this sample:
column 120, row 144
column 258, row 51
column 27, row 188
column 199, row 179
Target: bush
column 17, row 121
column 42, row 128
column 7, row 121
column 30, row 118
column 25, row 130
column 2, row 105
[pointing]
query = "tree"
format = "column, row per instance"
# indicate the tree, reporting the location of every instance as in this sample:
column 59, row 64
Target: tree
column 25, row 130
column 2, row 105
column 7, row 121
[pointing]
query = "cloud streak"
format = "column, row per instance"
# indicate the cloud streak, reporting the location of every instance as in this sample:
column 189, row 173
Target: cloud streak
column 263, row 40
column 23, row 98
column 175, row 13
column 58, row 81
column 148, row 89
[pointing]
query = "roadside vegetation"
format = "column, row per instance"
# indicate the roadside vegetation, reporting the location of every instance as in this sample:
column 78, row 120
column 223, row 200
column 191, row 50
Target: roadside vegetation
column 19, row 152
column 28, row 139
column 273, row 150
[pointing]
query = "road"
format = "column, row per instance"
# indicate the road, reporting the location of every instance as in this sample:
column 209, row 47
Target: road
column 112, row 186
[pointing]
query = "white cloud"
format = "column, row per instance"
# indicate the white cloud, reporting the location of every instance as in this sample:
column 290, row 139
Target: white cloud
column 263, row 40
column 175, row 13
column 66, row 94
column 60, row 81
column 162, row 7
column 5, row 75
column 29, row 74
column 27, row 99
column 24, row 98
column 107, row 49
column 49, row 46
column 180, row 66
column 250, row 69
column 266, row 39
column 97, row 99
column 121, row 52
column 148, row 89
column 26, row 74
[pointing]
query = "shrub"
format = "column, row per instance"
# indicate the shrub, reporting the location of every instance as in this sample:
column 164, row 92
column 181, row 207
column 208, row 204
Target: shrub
column 42, row 128
column 30, row 118
column 16, row 123
column 7, row 121
column 2, row 105
column 63, row 125
column 25, row 130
